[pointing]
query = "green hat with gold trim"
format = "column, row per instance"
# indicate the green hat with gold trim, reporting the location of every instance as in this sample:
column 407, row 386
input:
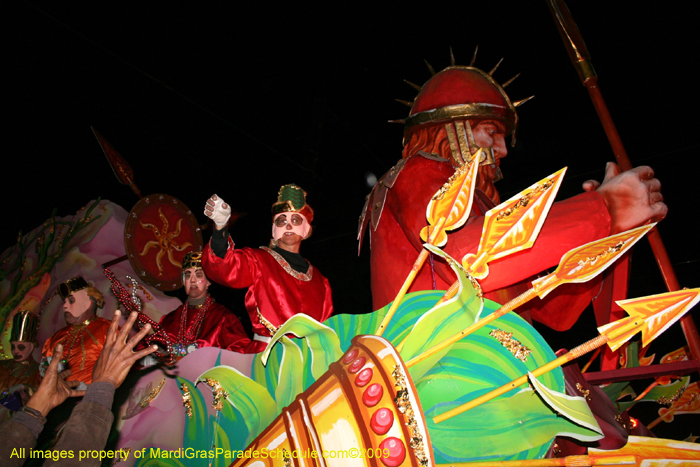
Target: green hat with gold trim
column 291, row 198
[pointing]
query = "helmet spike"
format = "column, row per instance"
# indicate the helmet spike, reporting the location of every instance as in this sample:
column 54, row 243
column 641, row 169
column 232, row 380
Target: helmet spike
column 430, row 68
column 476, row 49
column 402, row 121
column 452, row 57
column 509, row 81
column 522, row 101
column 413, row 85
column 459, row 93
column 493, row 70
column 406, row 103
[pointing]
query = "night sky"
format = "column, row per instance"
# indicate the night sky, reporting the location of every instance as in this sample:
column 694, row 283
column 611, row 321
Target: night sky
column 237, row 99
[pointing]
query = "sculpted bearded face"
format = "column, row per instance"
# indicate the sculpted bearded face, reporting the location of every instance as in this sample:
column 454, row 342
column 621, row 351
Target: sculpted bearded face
column 78, row 307
column 487, row 134
column 490, row 133
column 196, row 283
column 21, row 351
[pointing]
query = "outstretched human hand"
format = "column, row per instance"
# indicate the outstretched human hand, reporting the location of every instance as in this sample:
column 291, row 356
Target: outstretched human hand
column 117, row 355
column 217, row 210
column 633, row 198
column 54, row 389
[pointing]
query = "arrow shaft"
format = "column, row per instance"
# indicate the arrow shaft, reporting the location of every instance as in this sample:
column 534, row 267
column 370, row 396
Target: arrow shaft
column 417, row 265
column 665, row 417
column 626, row 327
column 566, row 358
column 511, row 305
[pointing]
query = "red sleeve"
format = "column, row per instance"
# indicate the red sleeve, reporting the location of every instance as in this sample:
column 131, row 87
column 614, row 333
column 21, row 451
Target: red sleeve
column 235, row 338
column 560, row 309
column 327, row 301
column 570, row 223
column 236, row 270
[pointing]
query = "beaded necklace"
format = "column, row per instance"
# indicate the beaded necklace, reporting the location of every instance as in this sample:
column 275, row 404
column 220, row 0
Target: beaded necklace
column 76, row 333
column 185, row 337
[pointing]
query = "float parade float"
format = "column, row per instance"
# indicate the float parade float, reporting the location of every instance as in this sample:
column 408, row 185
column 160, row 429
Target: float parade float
column 436, row 375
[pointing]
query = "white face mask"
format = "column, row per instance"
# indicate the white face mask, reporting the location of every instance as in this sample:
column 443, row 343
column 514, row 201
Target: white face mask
column 291, row 222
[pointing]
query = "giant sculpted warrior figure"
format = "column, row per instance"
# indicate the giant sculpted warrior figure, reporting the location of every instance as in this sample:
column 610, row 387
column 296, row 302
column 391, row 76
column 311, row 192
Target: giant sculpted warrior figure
column 458, row 111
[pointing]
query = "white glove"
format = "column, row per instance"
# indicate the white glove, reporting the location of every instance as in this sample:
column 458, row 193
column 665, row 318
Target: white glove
column 218, row 211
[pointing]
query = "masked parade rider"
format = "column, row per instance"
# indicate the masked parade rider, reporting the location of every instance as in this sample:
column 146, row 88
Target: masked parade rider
column 19, row 377
column 280, row 282
column 85, row 334
column 200, row 321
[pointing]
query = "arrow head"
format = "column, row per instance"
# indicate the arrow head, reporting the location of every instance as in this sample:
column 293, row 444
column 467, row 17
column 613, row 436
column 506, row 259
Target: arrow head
column 514, row 225
column 585, row 262
column 660, row 311
column 652, row 315
column 453, row 201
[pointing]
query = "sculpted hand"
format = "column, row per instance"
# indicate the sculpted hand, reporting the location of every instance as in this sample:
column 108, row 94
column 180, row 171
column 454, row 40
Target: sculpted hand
column 117, row 355
column 633, row 198
column 218, row 211
column 54, row 389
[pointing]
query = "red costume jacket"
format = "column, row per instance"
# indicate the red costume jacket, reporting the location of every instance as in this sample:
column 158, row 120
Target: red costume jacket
column 274, row 288
column 82, row 345
column 396, row 243
column 221, row 327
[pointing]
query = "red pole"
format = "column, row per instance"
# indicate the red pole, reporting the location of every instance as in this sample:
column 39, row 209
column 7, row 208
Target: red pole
column 582, row 62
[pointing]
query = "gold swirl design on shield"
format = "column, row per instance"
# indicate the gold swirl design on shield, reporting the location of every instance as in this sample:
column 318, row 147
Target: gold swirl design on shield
column 165, row 241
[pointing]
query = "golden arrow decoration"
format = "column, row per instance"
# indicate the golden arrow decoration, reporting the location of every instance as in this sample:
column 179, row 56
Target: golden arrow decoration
column 578, row 265
column 650, row 315
column 513, row 225
column 587, row 261
column 657, row 311
column 688, row 402
column 452, row 202
column 447, row 210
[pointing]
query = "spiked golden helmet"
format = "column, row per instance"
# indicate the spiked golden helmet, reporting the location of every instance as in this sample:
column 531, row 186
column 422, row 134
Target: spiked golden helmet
column 461, row 92
column 25, row 325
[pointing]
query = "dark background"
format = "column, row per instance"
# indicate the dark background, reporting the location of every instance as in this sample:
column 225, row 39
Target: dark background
column 236, row 98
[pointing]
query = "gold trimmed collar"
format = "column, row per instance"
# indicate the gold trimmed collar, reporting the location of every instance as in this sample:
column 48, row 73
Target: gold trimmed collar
column 285, row 265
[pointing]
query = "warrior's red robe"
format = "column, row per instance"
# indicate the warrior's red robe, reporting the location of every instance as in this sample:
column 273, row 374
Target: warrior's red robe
column 274, row 288
column 396, row 244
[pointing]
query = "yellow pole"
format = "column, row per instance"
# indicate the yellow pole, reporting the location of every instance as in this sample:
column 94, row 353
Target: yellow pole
column 511, row 305
column 409, row 280
column 626, row 325
column 666, row 415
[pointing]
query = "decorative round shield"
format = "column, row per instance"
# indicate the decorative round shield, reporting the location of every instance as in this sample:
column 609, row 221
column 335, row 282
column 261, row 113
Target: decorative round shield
column 158, row 234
